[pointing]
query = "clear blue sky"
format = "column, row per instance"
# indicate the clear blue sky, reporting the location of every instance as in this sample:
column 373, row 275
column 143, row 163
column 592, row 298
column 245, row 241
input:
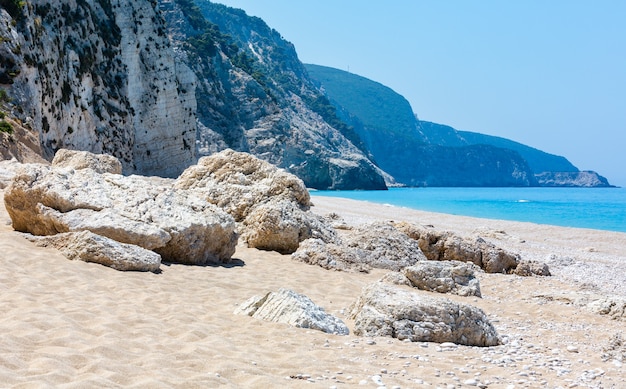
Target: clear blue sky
column 548, row 73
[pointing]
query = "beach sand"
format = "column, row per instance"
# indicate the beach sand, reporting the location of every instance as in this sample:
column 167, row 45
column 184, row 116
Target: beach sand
column 71, row 324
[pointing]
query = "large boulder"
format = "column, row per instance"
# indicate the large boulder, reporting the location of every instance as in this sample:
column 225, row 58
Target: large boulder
column 447, row 246
column 389, row 310
column 374, row 245
column 270, row 205
column 238, row 182
column 281, row 226
column 387, row 247
column 100, row 163
column 179, row 225
column 444, row 277
column 289, row 307
column 89, row 247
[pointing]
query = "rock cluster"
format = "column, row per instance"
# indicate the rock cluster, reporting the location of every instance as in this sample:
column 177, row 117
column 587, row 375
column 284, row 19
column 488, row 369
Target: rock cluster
column 270, row 204
column 73, row 195
column 388, row 310
column 447, row 246
column 289, row 307
column 191, row 220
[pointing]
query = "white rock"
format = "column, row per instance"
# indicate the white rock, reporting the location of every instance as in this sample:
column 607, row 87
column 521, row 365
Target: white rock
column 287, row 306
column 389, row 310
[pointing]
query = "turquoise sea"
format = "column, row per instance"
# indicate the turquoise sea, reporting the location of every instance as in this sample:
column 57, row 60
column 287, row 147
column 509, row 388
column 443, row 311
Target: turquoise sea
column 597, row 208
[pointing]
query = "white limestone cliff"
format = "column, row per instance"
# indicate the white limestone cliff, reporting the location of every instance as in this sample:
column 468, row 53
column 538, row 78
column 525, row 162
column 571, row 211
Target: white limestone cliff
column 101, row 76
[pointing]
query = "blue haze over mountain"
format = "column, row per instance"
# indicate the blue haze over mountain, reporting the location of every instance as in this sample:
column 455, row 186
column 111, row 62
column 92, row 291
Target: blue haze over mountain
column 421, row 153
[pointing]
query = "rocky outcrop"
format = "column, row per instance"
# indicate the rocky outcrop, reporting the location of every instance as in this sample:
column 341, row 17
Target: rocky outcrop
column 179, row 225
column 331, row 256
column 289, row 307
column 585, row 179
column 388, row 310
column 101, row 76
column 386, row 246
column 447, row 246
column 89, row 247
column 443, row 277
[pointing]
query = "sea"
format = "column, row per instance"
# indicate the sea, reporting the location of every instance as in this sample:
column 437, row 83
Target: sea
column 595, row 208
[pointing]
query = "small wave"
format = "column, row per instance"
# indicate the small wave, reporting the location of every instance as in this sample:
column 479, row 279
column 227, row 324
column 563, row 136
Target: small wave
column 523, row 201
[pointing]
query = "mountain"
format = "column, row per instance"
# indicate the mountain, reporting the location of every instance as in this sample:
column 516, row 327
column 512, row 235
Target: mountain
column 156, row 84
column 254, row 95
column 160, row 83
column 422, row 153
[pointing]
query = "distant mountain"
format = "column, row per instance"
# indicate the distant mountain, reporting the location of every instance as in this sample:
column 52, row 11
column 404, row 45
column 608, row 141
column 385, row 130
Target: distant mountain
column 423, row 153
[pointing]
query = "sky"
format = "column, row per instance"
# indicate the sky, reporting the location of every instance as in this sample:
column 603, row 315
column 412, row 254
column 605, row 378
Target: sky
column 549, row 74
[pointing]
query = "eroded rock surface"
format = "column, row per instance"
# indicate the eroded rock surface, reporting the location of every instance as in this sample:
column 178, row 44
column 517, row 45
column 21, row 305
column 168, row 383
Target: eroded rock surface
column 444, row 277
column 394, row 311
column 89, row 247
column 100, row 163
column 447, row 246
column 271, row 205
column 374, row 245
column 289, row 307
column 180, row 226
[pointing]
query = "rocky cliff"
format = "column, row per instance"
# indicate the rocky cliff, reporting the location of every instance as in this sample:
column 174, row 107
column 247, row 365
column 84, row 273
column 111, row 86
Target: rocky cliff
column 584, row 179
column 156, row 84
column 99, row 75
column 254, row 95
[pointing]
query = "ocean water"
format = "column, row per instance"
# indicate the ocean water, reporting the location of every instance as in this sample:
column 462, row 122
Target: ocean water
column 596, row 208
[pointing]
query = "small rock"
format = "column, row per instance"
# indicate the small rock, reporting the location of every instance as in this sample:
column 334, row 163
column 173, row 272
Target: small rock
column 378, row 380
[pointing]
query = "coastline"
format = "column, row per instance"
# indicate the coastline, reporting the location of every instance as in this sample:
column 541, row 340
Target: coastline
column 76, row 324
column 585, row 256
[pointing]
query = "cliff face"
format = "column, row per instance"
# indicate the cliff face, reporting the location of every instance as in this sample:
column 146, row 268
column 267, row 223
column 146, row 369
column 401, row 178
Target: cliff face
column 585, row 179
column 254, row 96
column 99, row 75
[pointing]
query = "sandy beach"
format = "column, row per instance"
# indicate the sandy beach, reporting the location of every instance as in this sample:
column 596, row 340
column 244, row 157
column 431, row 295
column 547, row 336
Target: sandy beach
column 68, row 324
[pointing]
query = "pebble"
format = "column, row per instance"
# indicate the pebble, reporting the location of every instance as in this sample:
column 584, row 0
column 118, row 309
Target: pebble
column 378, row 380
column 470, row 382
column 572, row 349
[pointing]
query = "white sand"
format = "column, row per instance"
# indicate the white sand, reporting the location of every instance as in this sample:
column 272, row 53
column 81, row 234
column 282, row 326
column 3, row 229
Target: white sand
column 73, row 324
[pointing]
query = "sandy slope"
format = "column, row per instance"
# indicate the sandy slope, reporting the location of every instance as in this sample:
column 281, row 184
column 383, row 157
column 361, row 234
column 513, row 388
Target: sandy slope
column 72, row 324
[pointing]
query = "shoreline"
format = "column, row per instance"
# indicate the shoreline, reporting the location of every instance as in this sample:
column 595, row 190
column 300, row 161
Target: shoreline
column 573, row 254
column 494, row 212
column 75, row 324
